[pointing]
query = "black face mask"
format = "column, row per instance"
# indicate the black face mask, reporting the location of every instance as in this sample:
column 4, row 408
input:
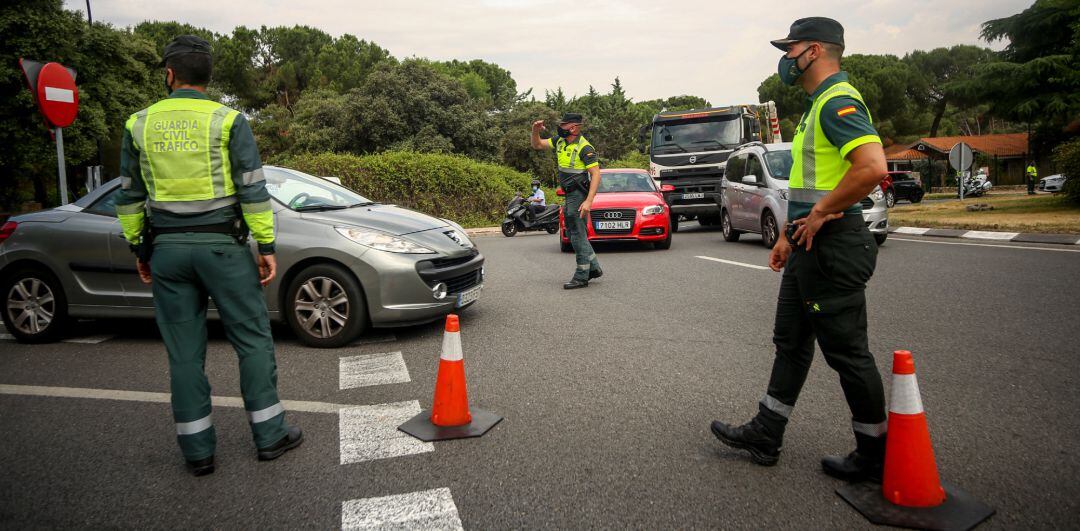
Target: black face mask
column 564, row 133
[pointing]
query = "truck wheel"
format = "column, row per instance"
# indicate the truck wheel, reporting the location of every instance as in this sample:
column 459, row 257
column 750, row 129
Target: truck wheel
column 35, row 308
column 325, row 306
column 730, row 234
column 770, row 232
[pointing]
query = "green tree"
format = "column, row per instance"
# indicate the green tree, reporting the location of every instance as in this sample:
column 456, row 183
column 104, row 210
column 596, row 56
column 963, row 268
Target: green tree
column 940, row 75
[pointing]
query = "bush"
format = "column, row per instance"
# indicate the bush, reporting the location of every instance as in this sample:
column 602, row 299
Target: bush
column 1067, row 161
column 632, row 159
column 455, row 187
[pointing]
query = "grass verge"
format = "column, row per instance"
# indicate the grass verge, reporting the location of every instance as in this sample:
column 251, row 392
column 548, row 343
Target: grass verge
column 1013, row 213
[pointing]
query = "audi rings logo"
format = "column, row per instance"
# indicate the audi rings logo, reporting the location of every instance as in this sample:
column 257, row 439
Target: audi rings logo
column 693, row 159
column 612, row 215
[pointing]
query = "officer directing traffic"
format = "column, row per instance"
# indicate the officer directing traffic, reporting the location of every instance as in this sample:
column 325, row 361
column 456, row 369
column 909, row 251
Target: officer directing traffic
column 194, row 162
column 579, row 177
column 1032, row 175
column 827, row 259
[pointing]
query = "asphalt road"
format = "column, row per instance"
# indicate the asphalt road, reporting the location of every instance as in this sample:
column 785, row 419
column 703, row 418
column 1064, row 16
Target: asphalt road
column 607, row 393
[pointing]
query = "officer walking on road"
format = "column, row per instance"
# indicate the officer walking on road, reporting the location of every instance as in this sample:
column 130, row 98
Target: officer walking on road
column 827, row 258
column 1032, row 176
column 195, row 163
column 579, row 177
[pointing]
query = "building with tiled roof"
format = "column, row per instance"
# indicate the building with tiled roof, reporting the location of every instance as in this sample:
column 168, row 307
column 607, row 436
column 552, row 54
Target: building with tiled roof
column 1004, row 155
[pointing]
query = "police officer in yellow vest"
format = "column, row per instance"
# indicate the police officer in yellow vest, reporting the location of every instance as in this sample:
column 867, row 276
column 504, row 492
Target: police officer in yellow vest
column 827, row 258
column 194, row 163
column 579, row 177
column 1032, row 176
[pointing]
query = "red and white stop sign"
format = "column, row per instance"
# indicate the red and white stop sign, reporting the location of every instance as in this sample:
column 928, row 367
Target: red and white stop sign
column 57, row 94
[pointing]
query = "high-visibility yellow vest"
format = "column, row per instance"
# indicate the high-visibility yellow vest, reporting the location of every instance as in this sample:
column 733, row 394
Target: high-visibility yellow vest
column 569, row 161
column 1032, row 171
column 183, row 145
column 817, row 165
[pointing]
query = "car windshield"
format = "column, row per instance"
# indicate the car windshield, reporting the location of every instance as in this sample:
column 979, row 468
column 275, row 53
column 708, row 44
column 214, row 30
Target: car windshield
column 696, row 135
column 625, row 182
column 779, row 163
column 300, row 191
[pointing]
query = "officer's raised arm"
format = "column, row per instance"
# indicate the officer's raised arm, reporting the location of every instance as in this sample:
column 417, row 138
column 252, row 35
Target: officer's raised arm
column 537, row 142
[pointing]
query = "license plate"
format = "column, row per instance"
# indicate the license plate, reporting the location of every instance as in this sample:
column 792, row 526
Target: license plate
column 693, row 196
column 470, row 295
column 610, row 225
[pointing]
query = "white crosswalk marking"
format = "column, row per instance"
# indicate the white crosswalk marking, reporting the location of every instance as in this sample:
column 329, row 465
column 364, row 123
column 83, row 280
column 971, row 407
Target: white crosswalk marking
column 372, row 369
column 429, row 509
column 370, row 432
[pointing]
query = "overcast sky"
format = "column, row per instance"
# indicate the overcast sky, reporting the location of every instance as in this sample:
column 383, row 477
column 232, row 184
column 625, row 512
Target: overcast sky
column 715, row 49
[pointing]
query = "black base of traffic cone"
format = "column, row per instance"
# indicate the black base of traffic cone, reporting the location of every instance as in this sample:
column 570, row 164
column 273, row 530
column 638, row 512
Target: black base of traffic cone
column 959, row 512
column 421, row 427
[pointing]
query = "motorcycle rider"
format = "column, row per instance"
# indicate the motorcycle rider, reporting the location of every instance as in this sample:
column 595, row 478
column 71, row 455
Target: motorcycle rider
column 536, row 202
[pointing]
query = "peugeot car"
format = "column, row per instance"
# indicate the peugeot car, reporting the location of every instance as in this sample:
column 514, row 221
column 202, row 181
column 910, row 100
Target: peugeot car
column 344, row 263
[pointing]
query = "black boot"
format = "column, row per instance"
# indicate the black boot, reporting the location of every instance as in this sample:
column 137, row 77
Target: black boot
column 293, row 437
column 575, row 284
column 201, row 467
column 864, row 464
column 595, row 273
column 753, row 437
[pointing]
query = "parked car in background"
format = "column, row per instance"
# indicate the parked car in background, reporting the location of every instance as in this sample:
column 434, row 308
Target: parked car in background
column 754, row 196
column 1052, row 183
column 344, row 263
column 628, row 206
column 903, row 186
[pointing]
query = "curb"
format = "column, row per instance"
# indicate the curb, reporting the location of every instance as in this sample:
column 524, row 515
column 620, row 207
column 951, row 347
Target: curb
column 1025, row 237
column 482, row 231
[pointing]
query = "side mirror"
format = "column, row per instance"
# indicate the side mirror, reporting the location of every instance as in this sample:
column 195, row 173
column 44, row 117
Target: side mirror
column 559, row 191
column 749, row 179
column 667, row 187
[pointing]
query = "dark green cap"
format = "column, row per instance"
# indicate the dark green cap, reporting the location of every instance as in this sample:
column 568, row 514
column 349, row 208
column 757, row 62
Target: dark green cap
column 185, row 44
column 571, row 118
column 819, row 29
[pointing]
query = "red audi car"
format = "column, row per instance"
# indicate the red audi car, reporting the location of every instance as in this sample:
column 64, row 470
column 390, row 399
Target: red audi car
column 628, row 207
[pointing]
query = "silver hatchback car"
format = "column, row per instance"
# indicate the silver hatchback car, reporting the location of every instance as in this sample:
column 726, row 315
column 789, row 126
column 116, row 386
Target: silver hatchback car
column 754, row 195
column 344, row 263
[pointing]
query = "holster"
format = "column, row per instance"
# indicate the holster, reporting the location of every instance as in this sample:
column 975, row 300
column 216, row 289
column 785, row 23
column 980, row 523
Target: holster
column 581, row 181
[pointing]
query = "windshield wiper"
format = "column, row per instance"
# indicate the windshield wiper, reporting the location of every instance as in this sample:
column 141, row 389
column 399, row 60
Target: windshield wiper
column 717, row 142
column 319, row 208
column 673, row 144
column 368, row 203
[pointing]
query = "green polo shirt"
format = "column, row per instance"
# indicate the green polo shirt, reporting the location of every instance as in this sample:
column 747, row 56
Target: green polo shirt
column 846, row 124
column 243, row 158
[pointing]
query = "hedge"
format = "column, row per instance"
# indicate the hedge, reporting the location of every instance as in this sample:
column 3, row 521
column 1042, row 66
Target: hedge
column 1067, row 161
column 472, row 193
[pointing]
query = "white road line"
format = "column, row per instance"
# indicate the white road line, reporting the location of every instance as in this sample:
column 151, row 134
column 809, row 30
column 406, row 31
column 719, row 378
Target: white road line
column 721, row 260
column 370, row 432
column 988, row 235
column 428, row 509
column 163, row 398
column 6, row 336
column 389, row 338
column 1021, row 247
column 911, row 230
column 372, row 369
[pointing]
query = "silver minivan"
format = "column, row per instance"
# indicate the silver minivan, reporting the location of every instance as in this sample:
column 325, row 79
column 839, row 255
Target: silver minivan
column 754, row 195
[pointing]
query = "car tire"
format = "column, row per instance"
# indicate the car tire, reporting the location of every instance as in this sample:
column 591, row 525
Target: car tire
column 565, row 246
column 509, row 229
column 770, row 231
column 881, row 237
column 664, row 244
column 917, row 198
column 730, row 234
column 552, row 229
column 674, row 223
column 326, row 284
column 890, row 199
column 44, row 298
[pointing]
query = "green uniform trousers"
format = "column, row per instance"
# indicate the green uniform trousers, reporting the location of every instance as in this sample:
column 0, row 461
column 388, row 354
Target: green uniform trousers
column 187, row 268
column 577, row 231
column 822, row 296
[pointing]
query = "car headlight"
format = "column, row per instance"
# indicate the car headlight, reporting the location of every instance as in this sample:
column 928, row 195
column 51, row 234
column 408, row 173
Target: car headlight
column 652, row 210
column 381, row 241
column 877, row 195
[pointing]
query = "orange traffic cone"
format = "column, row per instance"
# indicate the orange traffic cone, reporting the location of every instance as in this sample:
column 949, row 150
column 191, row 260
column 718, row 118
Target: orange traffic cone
column 451, row 406
column 911, row 493
column 450, row 416
column 911, row 475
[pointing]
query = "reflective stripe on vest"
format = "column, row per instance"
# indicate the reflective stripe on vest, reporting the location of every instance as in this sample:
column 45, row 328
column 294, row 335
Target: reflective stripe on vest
column 567, row 154
column 816, row 166
column 183, row 147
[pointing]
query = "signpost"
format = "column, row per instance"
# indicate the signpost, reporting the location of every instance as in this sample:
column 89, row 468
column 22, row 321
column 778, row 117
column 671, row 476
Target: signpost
column 961, row 158
column 57, row 97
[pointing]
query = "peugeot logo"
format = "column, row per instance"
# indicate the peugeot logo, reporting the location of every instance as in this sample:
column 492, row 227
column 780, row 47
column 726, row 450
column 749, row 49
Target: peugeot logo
column 612, row 215
column 693, row 159
column 453, row 236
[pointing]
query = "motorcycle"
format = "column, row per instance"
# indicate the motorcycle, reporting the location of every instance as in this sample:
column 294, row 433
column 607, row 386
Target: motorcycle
column 520, row 219
column 976, row 185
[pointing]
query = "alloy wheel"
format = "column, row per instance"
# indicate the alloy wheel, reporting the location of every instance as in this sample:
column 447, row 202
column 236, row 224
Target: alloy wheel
column 31, row 305
column 321, row 307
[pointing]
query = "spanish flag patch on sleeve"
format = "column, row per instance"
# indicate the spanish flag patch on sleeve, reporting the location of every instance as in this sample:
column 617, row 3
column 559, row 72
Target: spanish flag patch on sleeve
column 850, row 109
